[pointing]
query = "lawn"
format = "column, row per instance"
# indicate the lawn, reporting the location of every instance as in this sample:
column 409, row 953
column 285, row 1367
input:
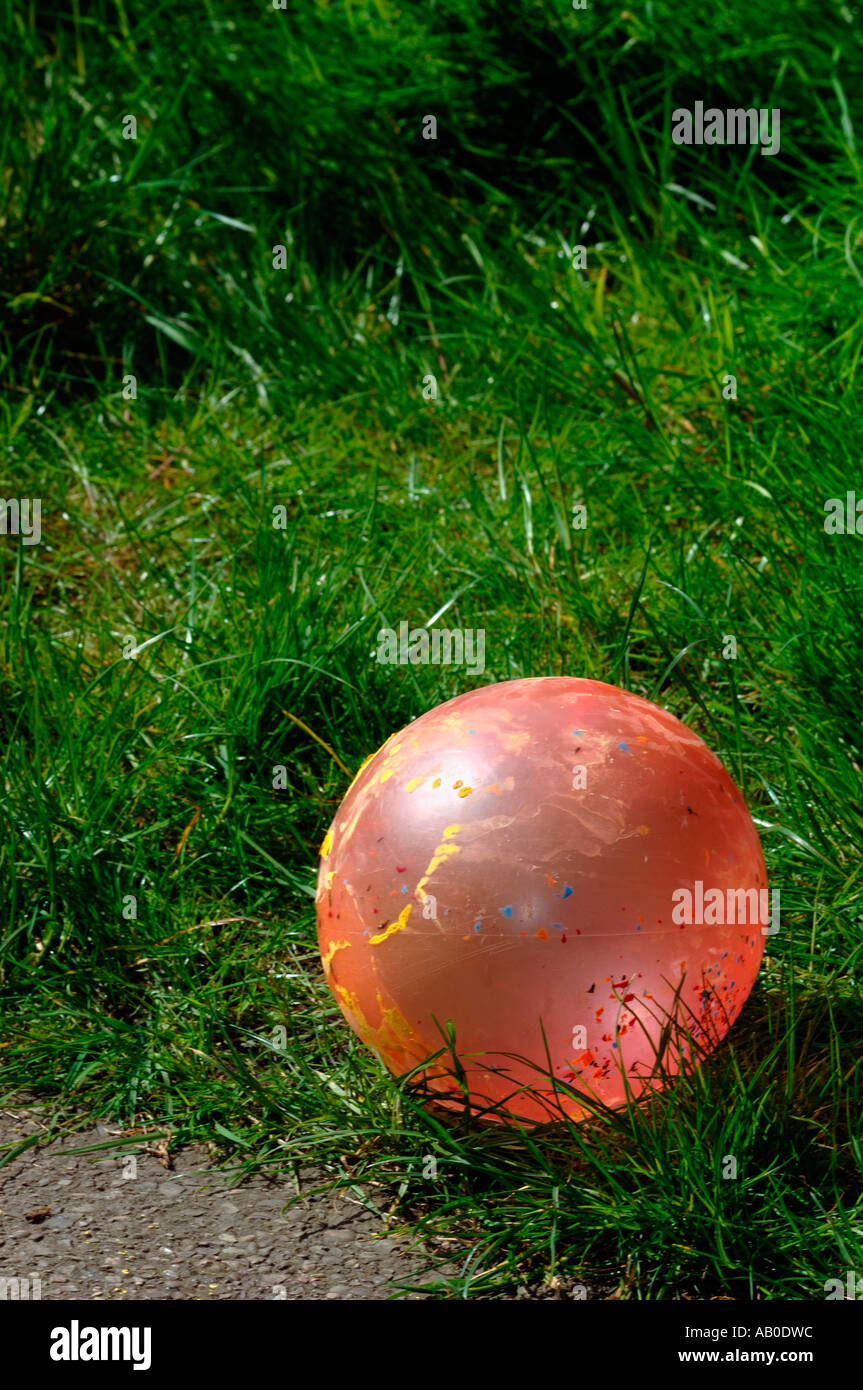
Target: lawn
column 282, row 372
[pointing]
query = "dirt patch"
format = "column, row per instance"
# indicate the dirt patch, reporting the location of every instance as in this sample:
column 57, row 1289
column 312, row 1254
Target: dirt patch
column 118, row 1225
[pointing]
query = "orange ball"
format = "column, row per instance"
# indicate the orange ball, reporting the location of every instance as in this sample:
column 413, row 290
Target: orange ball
column 560, row 870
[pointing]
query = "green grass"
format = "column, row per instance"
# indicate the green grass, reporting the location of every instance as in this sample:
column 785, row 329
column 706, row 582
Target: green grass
column 302, row 388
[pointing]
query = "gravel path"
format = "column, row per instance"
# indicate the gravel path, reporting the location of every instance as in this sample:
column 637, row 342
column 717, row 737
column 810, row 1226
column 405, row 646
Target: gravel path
column 119, row 1225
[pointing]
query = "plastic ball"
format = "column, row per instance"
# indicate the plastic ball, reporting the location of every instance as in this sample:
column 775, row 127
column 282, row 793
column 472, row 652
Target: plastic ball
column 553, row 883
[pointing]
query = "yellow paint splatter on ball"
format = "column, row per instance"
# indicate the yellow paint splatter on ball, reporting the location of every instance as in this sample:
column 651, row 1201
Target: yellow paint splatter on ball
column 439, row 857
column 400, row 922
column 327, row 956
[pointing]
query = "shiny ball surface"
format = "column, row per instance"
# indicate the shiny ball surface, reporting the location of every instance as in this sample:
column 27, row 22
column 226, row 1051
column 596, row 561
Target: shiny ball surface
column 520, row 862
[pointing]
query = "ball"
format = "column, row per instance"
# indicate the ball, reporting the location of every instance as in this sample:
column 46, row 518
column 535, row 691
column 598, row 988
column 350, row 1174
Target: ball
column 553, row 883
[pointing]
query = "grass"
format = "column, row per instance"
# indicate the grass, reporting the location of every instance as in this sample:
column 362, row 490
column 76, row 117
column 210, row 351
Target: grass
column 157, row 949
